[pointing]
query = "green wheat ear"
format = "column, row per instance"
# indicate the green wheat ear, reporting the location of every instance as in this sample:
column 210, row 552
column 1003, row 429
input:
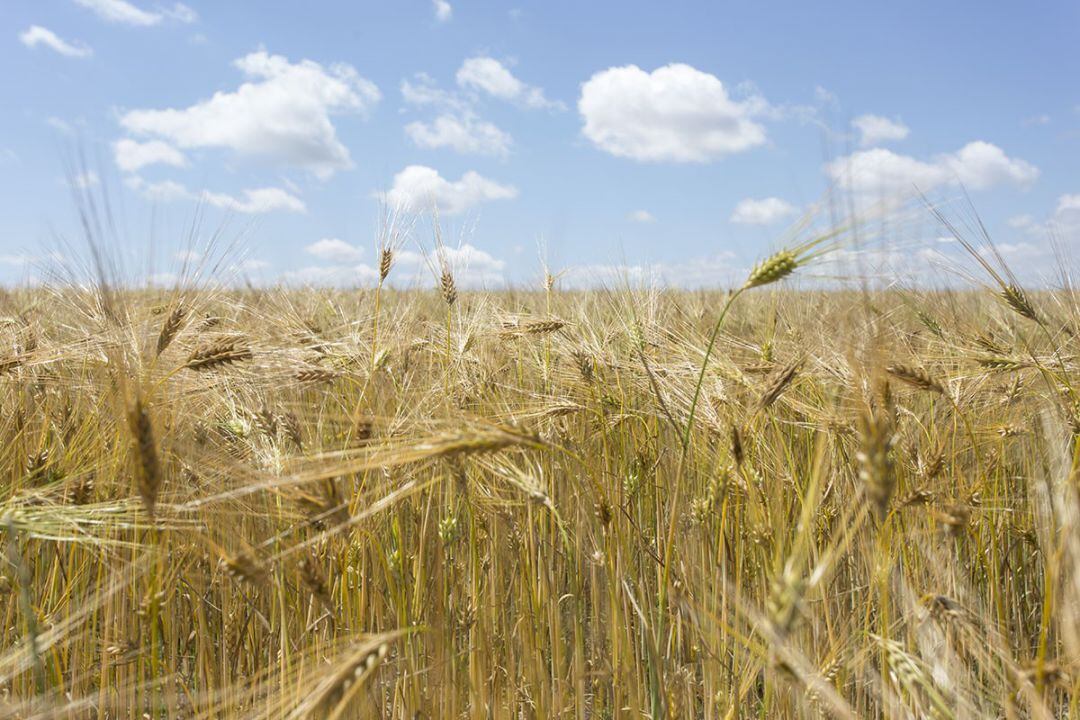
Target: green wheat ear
column 772, row 269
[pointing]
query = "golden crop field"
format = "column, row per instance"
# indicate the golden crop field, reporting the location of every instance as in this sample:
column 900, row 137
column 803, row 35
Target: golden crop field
column 545, row 503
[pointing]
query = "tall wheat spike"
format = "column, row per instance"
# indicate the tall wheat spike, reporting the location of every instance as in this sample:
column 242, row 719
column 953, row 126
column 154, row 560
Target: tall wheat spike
column 148, row 465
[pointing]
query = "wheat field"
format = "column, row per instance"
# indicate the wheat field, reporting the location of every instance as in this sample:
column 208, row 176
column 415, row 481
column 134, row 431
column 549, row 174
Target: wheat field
column 769, row 502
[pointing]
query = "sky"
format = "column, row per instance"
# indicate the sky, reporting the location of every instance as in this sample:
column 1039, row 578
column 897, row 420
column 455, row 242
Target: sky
column 675, row 140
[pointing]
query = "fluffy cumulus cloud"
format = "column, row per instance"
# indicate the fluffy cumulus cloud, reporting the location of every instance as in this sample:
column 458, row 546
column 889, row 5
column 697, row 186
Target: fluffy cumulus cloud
column 641, row 216
column 443, row 10
column 980, row 165
column 457, row 126
column 335, row 250
column 1068, row 204
column 252, row 202
column 283, row 113
column 420, row 188
column 674, row 114
column 422, row 90
column 1063, row 224
column 762, row 212
column 882, row 173
column 473, row 267
column 470, row 266
column 126, row 13
column 132, row 156
column 875, row 130
column 36, row 35
column 463, row 133
column 490, row 76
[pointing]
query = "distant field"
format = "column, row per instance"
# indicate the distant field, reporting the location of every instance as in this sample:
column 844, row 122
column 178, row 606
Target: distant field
column 444, row 504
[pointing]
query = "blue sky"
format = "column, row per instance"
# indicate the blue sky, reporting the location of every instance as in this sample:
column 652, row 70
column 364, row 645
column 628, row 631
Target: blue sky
column 682, row 137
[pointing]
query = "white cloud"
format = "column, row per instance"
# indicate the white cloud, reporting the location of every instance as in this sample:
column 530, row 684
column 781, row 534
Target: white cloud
column 126, row 13
column 164, row 191
column 457, row 126
column 979, row 165
column 335, row 250
column 911, row 261
column 473, row 267
column 908, row 260
column 86, row 180
column 132, row 156
column 609, row 275
column 36, row 35
column 257, row 201
column 1021, row 251
column 674, row 114
column 492, row 77
column 163, row 279
column 711, row 271
column 465, row 134
column 471, row 257
column 283, row 113
column 252, row 265
column 423, row 90
column 337, row 276
column 879, row 172
column 16, row 260
column 420, row 188
column 120, row 11
column 641, row 216
column 1063, row 224
column 182, row 13
column 59, row 125
column 489, row 75
column 443, row 10
column 253, row 201
column 1068, row 203
column 762, row 212
column 875, row 129
column 883, row 171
